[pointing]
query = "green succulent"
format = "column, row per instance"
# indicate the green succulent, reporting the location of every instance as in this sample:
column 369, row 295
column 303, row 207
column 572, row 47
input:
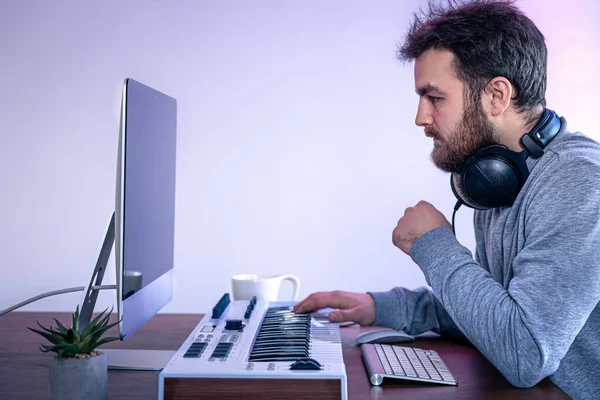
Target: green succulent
column 69, row 343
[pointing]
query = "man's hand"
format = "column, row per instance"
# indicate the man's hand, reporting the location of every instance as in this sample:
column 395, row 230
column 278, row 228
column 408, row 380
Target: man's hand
column 416, row 222
column 355, row 307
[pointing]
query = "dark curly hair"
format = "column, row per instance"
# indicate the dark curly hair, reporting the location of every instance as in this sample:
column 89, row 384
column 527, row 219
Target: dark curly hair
column 488, row 38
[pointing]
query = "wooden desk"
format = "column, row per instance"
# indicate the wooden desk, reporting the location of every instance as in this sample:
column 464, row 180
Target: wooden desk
column 24, row 375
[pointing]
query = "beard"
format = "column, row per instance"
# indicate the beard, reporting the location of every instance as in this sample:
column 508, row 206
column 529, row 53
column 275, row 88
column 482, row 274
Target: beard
column 474, row 132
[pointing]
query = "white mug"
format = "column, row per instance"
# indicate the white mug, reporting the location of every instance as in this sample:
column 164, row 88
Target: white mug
column 245, row 286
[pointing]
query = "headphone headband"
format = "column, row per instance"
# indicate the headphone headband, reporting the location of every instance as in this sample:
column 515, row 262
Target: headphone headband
column 536, row 140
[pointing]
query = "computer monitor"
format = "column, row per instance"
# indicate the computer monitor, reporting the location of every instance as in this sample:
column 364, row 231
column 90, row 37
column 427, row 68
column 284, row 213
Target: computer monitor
column 143, row 224
column 145, row 205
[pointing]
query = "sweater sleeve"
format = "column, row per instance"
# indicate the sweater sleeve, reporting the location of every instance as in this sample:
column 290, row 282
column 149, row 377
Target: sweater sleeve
column 414, row 312
column 526, row 329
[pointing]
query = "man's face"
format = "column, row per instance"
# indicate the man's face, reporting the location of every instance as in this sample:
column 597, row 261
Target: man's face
column 458, row 127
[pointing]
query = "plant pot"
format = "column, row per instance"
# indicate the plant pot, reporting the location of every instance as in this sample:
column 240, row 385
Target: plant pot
column 79, row 378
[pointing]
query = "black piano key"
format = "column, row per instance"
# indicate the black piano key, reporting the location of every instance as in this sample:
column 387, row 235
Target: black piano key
column 278, row 349
column 281, row 357
column 282, row 346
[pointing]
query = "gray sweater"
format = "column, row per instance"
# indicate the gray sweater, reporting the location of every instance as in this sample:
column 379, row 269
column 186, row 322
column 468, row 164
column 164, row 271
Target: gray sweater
column 529, row 300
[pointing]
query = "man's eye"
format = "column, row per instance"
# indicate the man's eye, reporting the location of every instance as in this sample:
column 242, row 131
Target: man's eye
column 434, row 99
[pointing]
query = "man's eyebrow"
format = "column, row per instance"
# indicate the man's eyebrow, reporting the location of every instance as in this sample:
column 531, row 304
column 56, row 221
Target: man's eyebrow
column 423, row 90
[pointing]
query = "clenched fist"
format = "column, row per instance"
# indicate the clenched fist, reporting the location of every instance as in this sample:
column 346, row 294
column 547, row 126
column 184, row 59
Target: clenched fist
column 416, row 222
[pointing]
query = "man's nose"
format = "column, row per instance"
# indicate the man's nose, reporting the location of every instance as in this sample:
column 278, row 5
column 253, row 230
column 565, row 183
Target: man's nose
column 423, row 117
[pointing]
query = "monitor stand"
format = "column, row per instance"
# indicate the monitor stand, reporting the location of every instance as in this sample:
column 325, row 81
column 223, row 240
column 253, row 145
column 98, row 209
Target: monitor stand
column 138, row 360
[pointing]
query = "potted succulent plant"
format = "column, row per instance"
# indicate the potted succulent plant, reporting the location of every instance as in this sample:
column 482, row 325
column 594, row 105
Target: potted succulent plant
column 78, row 371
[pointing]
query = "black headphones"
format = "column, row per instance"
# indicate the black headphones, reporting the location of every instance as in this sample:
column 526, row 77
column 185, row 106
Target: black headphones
column 494, row 175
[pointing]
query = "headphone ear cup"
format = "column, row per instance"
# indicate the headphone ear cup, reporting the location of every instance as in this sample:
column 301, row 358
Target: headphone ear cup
column 456, row 183
column 491, row 178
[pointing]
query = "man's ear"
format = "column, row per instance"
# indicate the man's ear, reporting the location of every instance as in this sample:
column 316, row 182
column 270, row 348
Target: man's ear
column 497, row 96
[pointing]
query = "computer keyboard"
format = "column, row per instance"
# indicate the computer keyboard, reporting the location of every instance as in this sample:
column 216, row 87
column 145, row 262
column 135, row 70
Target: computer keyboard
column 398, row 362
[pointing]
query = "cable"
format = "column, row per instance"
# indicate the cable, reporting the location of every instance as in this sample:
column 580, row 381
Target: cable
column 456, row 207
column 53, row 293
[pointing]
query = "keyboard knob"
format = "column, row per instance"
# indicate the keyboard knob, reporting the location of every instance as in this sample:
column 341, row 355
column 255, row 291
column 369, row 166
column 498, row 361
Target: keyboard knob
column 233, row 324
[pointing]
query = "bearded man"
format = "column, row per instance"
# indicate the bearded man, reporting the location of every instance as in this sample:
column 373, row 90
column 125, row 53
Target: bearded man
column 529, row 298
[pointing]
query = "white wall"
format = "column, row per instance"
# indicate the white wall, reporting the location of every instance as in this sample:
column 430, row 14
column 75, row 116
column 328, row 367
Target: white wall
column 297, row 149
